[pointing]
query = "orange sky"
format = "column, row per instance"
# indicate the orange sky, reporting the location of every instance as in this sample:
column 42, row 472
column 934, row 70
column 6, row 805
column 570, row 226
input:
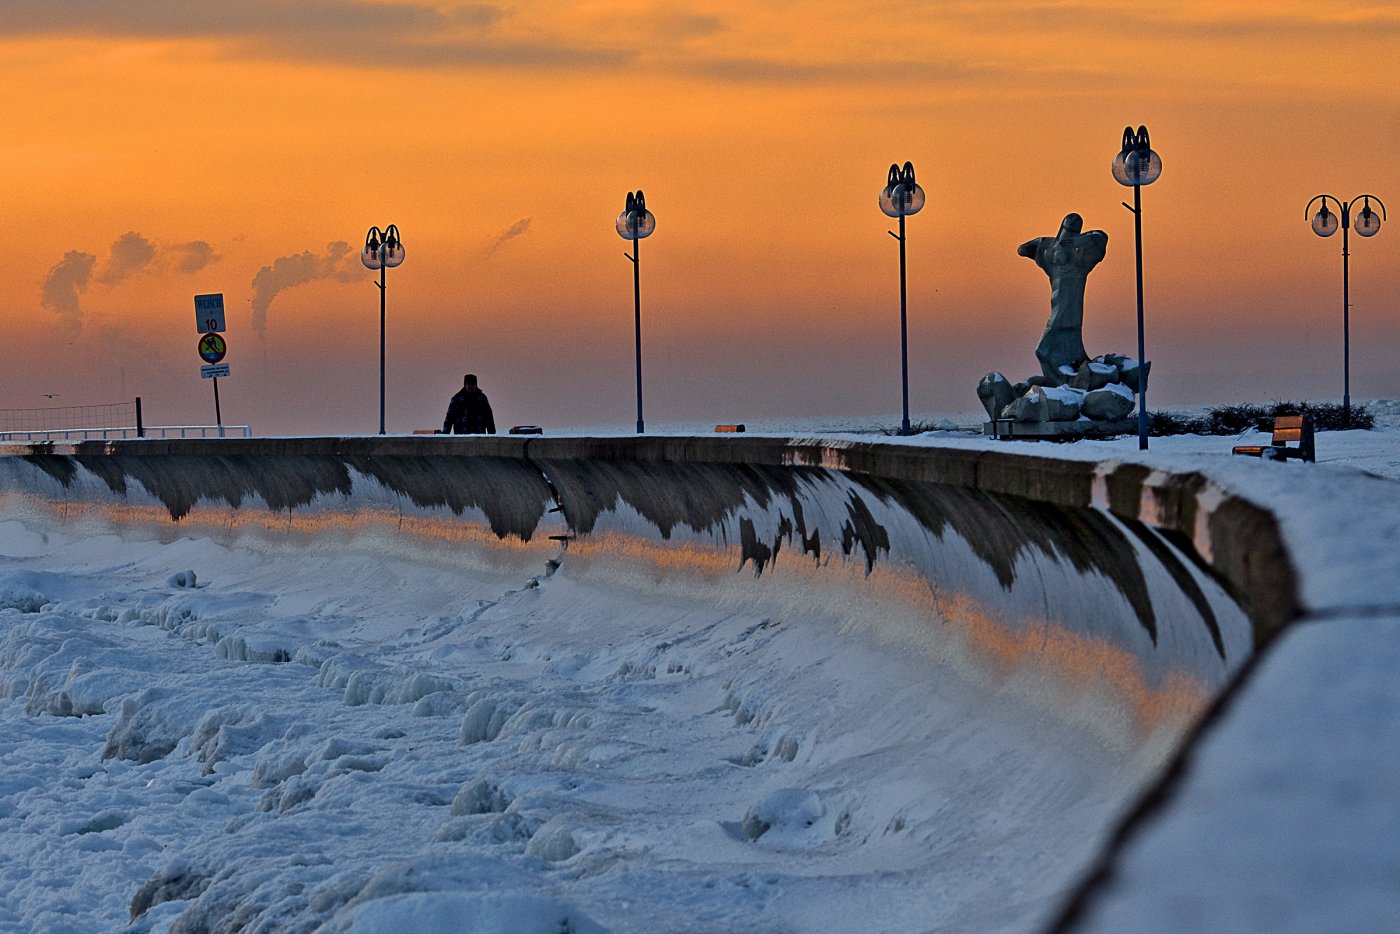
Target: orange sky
column 154, row 149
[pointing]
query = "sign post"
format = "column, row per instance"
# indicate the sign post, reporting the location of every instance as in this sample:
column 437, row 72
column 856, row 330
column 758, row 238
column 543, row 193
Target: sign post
column 209, row 321
column 218, row 415
column 214, row 371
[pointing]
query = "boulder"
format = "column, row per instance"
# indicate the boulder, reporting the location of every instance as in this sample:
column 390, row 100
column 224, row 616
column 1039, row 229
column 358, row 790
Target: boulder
column 1109, row 403
column 1065, row 403
column 1129, row 369
column 1028, row 408
column 996, row 393
column 1041, row 404
column 1094, row 375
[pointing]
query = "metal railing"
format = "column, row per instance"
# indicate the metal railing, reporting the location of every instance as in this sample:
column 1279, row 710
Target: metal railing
column 150, row 431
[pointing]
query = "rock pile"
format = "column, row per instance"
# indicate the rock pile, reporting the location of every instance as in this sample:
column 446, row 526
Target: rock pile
column 1098, row 395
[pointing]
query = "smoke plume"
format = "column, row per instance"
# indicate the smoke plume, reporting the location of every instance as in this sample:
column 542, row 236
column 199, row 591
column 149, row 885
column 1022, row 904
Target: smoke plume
column 298, row 269
column 191, row 257
column 130, row 254
column 507, row 235
column 64, row 281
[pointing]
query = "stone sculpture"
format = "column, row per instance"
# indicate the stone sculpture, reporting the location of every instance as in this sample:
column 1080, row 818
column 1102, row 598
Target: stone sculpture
column 1067, row 259
column 1072, row 395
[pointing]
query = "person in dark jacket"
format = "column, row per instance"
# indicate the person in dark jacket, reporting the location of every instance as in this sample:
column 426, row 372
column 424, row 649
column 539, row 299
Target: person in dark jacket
column 469, row 412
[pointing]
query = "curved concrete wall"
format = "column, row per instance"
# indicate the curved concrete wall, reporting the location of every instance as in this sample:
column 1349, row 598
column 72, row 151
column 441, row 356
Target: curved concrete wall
column 1143, row 593
column 1118, row 599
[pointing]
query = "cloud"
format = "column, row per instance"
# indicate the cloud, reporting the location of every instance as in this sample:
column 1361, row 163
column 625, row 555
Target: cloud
column 63, row 283
column 505, row 236
column 298, row 269
column 662, row 23
column 130, row 254
column 1174, row 22
column 247, row 18
column 414, row 34
column 677, row 24
column 763, row 70
column 1381, row 26
column 670, row 38
column 191, row 257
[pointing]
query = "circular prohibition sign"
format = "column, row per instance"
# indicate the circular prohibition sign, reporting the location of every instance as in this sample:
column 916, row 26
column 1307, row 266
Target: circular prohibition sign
column 212, row 348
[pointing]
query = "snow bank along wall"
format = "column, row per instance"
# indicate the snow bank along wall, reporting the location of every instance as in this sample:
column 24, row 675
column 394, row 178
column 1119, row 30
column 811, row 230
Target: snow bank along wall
column 1117, row 598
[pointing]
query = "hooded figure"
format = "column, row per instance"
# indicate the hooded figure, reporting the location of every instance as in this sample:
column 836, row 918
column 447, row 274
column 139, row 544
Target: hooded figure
column 469, row 412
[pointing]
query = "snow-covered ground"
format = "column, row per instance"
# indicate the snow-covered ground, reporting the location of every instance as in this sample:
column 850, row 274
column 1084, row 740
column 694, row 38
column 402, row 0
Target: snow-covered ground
column 351, row 742
column 507, row 760
column 1288, row 815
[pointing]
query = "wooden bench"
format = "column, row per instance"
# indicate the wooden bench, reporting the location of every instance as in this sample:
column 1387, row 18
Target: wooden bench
column 1287, row 428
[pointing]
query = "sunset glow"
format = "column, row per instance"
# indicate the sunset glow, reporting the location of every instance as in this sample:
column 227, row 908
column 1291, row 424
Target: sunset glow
column 157, row 149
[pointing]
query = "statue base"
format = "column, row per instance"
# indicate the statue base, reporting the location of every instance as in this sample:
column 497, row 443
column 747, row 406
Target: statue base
column 1059, row 431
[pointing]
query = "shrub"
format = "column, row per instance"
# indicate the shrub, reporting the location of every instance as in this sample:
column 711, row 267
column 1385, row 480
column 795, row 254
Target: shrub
column 1236, row 419
column 915, row 428
column 1170, row 423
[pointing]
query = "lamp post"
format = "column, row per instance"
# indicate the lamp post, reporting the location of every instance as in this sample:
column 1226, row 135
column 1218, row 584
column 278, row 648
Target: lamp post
column 636, row 223
column 1324, row 224
column 382, row 250
column 1134, row 166
column 901, row 197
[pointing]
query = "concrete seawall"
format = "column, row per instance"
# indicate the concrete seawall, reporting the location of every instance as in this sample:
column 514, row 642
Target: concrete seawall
column 1120, row 599
column 1081, row 578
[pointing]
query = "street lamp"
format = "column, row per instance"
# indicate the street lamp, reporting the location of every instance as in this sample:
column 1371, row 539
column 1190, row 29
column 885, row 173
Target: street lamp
column 901, row 197
column 1324, row 224
column 1134, row 166
column 382, row 250
column 636, row 223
